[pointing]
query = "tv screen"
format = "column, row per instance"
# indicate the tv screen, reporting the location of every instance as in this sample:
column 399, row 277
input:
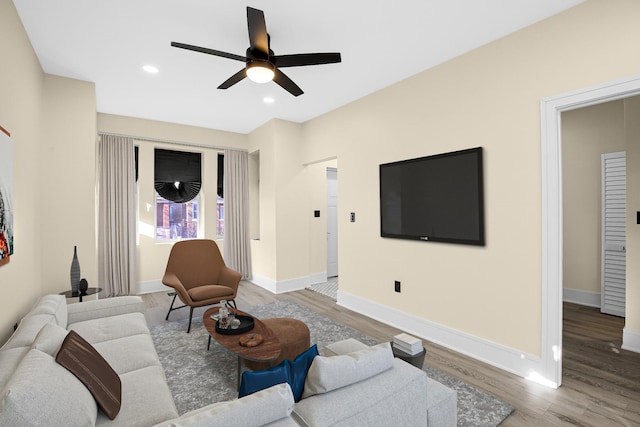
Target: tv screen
column 436, row 198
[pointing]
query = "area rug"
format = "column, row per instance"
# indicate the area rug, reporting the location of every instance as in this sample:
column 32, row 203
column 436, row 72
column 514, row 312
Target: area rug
column 198, row 377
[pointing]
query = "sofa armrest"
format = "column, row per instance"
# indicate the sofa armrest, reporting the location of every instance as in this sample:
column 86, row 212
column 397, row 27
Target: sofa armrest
column 106, row 307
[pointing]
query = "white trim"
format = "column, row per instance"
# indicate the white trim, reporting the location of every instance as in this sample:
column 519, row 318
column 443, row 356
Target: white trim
column 316, row 278
column 550, row 109
column 151, row 286
column 630, row 340
column 282, row 286
column 577, row 296
column 511, row 360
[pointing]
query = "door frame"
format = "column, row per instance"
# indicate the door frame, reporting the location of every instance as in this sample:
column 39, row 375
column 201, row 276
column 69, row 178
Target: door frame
column 328, row 171
column 551, row 162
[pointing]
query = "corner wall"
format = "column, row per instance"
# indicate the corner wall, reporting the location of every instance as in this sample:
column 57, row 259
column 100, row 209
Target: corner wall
column 52, row 125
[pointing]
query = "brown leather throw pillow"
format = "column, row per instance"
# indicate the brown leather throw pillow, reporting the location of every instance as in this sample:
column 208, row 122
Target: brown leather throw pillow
column 83, row 361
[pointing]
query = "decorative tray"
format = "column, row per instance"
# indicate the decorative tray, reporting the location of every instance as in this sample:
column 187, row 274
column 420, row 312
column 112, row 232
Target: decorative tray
column 246, row 324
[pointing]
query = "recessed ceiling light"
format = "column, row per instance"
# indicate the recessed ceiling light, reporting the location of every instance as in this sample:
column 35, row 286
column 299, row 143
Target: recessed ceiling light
column 268, row 100
column 150, row 69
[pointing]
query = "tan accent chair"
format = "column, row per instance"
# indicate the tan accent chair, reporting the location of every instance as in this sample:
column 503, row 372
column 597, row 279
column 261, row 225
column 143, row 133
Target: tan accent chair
column 197, row 272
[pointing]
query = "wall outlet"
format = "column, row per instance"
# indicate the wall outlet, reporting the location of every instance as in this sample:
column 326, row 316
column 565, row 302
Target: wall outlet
column 397, row 286
column 352, row 217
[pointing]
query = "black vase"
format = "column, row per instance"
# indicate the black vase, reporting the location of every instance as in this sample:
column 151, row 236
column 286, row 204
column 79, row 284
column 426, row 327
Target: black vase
column 83, row 285
column 75, row 271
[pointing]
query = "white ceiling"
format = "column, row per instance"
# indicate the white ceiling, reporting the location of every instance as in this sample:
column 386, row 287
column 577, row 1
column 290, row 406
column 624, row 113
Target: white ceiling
column 108, row 42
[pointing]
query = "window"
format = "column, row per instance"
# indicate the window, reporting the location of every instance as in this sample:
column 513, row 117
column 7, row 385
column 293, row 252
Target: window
column 175, row 221
column 177, row 180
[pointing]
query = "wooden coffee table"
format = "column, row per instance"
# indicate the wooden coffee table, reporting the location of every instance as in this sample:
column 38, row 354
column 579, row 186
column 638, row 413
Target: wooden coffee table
column 268, row 351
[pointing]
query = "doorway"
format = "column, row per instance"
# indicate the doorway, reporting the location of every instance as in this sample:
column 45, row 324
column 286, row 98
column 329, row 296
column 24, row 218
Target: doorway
column 552, row 236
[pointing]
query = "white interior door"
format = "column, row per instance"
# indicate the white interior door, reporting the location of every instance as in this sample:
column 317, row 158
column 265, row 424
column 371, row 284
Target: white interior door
column 614, row 213
column 332, row 222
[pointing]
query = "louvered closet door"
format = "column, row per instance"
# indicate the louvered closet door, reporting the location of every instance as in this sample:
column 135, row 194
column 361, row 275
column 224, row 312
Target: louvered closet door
column 614, row 201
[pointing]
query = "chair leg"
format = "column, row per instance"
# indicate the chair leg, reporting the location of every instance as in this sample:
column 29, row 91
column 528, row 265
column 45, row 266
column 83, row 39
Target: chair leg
column 171, row 308
column 190, row 317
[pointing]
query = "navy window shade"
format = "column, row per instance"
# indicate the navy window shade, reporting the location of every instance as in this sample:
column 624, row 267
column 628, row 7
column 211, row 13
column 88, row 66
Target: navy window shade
column 178, row 174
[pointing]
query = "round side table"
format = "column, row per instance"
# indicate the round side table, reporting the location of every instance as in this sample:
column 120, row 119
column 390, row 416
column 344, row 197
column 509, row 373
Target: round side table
column 79, row 295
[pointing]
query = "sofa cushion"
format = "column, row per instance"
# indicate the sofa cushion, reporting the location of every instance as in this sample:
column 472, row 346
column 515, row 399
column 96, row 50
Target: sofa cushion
column 330, row 373
column 80, row 358
column 105, row 307
column 112, row 327
column 262, row 408
column 9, row 361
column 52, row 304
column 118, row 353
column 293, row 372
column 27, row 331
column 43, row 393
column 146, row 399
column 397, row 396
column 50, row 338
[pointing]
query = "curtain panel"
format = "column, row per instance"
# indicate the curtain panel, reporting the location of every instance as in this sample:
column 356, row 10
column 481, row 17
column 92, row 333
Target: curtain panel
column 237, row 245
column 116, row 215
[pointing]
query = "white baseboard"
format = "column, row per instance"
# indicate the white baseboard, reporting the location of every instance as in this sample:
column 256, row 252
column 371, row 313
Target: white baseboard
column 150, row 286
column 281, row 286
column 316, row 278
column 508, row 359
column 591, row 299
column 630, row 340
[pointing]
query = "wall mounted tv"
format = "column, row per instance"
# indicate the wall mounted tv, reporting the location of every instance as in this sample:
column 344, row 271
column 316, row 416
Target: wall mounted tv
column 436, row 198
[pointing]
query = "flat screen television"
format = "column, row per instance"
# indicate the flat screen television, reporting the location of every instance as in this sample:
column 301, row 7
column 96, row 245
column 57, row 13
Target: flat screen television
column 437, row 198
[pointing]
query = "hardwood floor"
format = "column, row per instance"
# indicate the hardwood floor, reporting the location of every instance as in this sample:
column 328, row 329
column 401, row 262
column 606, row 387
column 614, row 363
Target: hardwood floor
column 601, row 382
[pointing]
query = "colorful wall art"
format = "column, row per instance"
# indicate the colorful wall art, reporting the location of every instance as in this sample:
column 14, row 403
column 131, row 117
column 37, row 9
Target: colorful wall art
column 6, row 196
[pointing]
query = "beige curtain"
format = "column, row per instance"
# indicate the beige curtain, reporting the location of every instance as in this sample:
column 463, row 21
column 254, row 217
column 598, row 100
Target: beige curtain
column 116, row 215
column 237, row 249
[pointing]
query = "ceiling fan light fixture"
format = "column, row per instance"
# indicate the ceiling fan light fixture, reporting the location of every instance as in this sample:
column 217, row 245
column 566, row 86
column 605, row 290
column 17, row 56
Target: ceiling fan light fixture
column 260, row 71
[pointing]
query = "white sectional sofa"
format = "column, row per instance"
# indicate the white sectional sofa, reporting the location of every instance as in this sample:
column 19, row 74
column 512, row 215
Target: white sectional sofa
column 377, row 390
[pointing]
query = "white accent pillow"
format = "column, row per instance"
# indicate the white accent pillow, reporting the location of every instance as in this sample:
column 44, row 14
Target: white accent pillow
column 331, row 373
column 43, row 393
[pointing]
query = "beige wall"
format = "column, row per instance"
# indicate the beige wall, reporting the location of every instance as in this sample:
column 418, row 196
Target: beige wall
column 21, row 98
column 67, row 183
column 587, row 133
column 489, row 97
column 52, row 122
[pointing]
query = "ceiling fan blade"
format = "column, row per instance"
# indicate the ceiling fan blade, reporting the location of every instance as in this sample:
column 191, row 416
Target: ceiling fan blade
column 286, row 83
column 306, row 59
column 258, row 37
column 209, row 51
column 233, row 79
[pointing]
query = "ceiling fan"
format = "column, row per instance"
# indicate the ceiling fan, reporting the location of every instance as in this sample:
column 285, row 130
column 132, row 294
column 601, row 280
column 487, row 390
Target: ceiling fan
column 262, row 65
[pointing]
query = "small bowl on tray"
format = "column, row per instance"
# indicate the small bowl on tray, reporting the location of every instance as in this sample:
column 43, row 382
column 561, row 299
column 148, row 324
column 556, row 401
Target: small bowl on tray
column 246, row 324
